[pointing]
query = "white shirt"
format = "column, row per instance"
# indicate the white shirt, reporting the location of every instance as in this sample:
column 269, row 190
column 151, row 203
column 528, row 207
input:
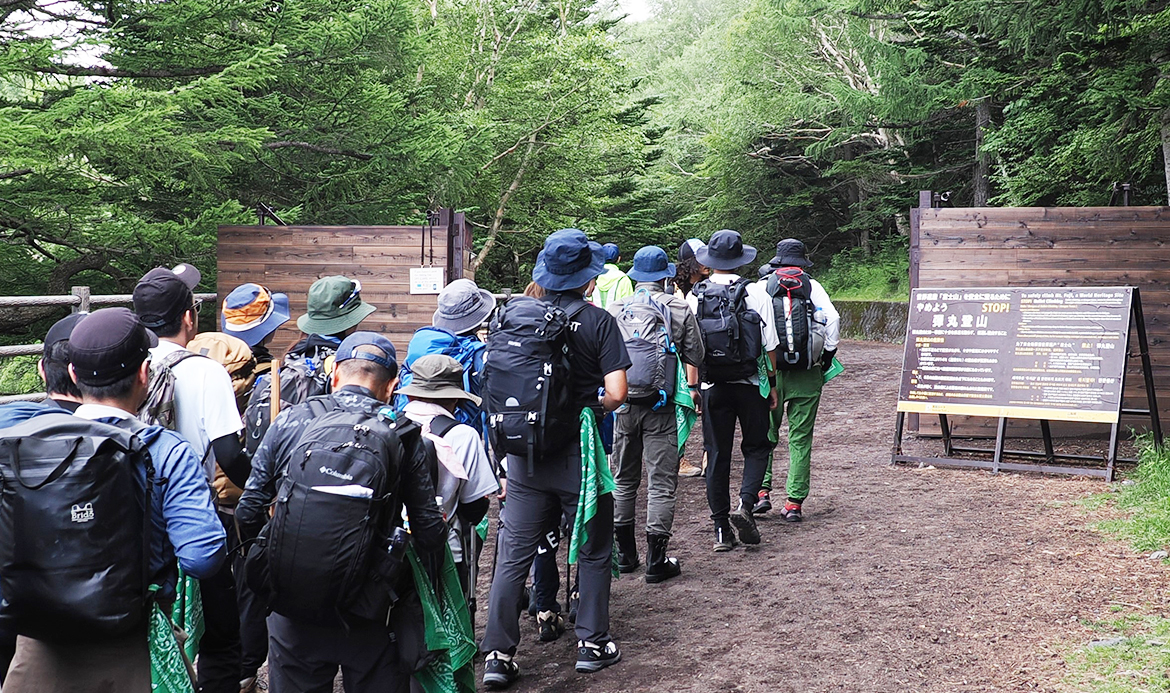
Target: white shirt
column 205, row 404
column 463, row 447
column 757, row 299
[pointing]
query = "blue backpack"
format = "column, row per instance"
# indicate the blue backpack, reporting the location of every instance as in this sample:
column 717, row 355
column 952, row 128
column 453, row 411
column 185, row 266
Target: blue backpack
column 468, row 351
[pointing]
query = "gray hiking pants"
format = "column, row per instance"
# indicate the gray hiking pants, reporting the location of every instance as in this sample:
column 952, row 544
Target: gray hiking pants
column 644, row 437
column 533, row 508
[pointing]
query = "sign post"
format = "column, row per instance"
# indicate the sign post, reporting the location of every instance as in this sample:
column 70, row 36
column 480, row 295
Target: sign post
column 1047, row 354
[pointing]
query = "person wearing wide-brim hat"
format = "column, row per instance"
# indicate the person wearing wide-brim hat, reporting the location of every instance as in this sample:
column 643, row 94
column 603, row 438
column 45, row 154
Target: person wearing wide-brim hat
column 463, row 307
column 646, row 432
column 253, row 313
column 466, row 479
column 736, row 397
column 798, row 385
column 537, row 495
column 335, row 307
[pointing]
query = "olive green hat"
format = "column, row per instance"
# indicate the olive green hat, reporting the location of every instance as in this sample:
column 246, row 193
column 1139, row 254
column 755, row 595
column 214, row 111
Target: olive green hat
column 437, row 376
column 335, row 304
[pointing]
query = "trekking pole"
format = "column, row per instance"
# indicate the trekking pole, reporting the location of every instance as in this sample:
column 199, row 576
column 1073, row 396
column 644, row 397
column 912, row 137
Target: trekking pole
column 471, row 556
column 274, row 394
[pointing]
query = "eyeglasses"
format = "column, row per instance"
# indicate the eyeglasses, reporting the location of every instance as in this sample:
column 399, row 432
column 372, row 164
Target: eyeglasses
column 355, row 294
column 197, row 305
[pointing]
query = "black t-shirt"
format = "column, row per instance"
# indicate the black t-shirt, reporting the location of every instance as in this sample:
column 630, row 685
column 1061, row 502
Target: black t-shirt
column 595, row 345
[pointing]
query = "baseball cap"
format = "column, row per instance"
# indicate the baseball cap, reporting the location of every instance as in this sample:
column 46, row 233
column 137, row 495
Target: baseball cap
column 163, row 294
column 108, row 345
column 61, row 330
column 612, row 252
column 349, row 350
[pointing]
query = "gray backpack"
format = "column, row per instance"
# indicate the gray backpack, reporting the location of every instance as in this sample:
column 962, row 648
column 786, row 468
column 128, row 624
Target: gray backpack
column 159, row 408
column 645, row 327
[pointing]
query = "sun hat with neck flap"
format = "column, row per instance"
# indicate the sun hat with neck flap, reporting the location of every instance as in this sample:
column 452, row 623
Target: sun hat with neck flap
column 568, row 261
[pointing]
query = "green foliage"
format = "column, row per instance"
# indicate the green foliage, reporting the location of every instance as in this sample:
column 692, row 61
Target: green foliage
column 18, row 376
column 1146, row 503
column 1137, row 664
column 883, row 276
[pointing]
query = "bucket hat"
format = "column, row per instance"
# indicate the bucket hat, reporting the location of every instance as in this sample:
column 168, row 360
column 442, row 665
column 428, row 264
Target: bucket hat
column 463, row 306
column 437, row 376
column 569, row 260
column 651, row 265
column 612, row 252
column 335, row 304
column 791, row 253
column 725, row 251
column 251, row 313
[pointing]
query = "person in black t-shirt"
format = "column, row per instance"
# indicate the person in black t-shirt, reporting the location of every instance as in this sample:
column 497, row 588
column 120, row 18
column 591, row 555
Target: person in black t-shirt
column 566, row 268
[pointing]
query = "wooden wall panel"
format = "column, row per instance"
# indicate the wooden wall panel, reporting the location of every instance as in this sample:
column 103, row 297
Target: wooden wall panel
column 289, row 259
column 1090, row 246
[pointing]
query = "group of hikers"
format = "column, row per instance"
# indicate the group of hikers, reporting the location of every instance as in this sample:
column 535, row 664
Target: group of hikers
column 185, row 507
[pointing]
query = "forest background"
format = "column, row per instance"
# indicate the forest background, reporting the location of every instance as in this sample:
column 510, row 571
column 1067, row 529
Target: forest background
column 130, row 129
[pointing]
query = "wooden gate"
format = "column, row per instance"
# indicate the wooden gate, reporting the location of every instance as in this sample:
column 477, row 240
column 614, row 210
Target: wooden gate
column 289, row 259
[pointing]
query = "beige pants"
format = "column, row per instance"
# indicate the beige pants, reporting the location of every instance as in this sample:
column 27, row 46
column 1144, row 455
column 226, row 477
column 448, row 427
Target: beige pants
column 117, row 665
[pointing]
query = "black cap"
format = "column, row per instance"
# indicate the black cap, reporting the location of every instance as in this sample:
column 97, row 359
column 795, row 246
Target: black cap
column 108, row 345
column 163, row 294
column 61, row 330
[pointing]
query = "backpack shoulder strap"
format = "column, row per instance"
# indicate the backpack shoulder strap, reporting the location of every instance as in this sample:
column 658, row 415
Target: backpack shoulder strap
column 440, row 425
column 175, row 358
column 773, row 284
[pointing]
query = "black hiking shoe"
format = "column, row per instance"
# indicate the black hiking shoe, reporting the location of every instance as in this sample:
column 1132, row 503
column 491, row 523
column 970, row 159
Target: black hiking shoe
column 499, row 671
column 551, row 625
column 745, row 524
column 724, row 539
column 591, row 657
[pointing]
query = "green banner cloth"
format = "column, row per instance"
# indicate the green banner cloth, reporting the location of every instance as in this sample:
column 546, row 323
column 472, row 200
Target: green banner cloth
column 187, row 612
column 684, row 409
column 169, row 672
column 596, row 481
column 448, row 629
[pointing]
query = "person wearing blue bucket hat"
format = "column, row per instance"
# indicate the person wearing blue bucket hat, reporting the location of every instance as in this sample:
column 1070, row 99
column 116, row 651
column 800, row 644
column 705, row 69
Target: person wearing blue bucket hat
column 614, row 285
column 252, row 313
column 732, row 389
column 538, row 494
column 646, row 432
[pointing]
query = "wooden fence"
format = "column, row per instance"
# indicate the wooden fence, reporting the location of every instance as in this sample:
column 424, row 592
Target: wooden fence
column 1061, row 246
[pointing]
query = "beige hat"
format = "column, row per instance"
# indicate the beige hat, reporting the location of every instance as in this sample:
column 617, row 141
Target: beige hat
column 437, row 376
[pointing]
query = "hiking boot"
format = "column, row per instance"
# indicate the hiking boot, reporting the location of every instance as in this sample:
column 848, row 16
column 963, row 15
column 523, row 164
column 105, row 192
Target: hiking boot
column 627, row 548
column 574, row 601
column 724, row 538
column 764, row 504
column 528, row 602
column 791, row 512
column 659, row 566
column 551, row 625
column 591, row 657
column 248, row 685
column 499, row 671
column 686, row 469
column 745, row 524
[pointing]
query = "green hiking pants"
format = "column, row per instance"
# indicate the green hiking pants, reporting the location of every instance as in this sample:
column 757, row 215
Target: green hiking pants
column 800, row 393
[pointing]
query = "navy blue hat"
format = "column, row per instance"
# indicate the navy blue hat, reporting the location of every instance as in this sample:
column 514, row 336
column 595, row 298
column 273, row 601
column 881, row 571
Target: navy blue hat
column 348, row 350
column 61, row 330
column 569, row 261
column 791, row 253
column 725, row 251
column 651, row 265
column 612, row 252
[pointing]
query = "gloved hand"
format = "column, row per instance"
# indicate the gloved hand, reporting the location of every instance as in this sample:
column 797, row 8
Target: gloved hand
column 432, row 562
column 827, row 360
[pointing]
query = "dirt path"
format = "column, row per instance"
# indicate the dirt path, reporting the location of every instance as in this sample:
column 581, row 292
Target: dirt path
column 897, row 580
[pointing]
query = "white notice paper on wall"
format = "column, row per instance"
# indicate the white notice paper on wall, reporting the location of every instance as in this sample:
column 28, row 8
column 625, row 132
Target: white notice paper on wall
column 426, row 280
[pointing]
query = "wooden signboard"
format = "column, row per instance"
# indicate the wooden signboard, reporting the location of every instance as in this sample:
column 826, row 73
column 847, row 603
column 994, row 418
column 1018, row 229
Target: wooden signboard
column 1045, row 354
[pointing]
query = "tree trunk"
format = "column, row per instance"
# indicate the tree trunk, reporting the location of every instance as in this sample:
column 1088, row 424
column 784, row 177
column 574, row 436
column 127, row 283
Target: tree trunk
column 501, row 210
column 1166, row 149
column 981, row 182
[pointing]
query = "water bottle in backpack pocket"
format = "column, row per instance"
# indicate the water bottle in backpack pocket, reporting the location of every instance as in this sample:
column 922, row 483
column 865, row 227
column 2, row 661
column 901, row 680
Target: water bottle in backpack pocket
column 645, row 328
column 731, row 331
column 800, row 326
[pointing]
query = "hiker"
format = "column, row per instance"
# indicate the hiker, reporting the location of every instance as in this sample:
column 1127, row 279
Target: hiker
column 613, row 285
column 731, row 381
column 327, row 611
column 464, row 474
column 659, row 330
column 689, row 272
column 254, row 313
column 334, row 310
column 537, row 426
column 803, row 354
column 81, row 633
column 194, row 395
column 463, row 309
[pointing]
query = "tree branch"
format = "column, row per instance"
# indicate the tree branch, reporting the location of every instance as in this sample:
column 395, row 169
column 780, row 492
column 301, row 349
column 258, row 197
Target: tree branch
column 498, row 221
column 100, row 71
column 364, row 156
column 15, row 174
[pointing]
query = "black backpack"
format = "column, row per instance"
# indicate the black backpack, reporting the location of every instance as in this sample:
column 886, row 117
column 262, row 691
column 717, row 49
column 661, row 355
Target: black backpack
column 335, row 507
column 802, row 337
column 731, row 331
column 75, row 529
column 302, row 376
column 527, row 386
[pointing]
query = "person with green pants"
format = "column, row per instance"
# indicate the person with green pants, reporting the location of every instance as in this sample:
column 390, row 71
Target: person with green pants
column 808, row 327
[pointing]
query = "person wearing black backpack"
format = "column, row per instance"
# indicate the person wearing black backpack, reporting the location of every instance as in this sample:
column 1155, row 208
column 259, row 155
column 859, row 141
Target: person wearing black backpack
column 659, row 331
column 807, row 327
column 340, row 475
column 82, row 609
column 735, row 317
column 546, row 362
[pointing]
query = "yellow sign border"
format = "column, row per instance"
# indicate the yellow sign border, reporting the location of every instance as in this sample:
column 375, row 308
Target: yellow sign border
column 1009, row 412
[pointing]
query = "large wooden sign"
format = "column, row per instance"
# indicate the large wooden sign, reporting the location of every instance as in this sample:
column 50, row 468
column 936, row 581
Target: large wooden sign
column 1022, row 353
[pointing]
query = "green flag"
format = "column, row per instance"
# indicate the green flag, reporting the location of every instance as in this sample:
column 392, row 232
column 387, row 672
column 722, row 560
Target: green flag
column 596, row 481
column 447, row 625
column 684, row 410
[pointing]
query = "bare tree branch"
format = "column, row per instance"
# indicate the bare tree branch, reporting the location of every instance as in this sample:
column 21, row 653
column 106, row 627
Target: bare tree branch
column 498, row 221
column 101, row 71
column 15, row 174
column 364, row 156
